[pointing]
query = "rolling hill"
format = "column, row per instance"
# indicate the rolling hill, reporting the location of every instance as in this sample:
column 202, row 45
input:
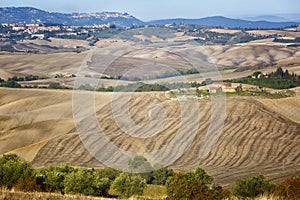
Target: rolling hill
column 256, row 137
column 33, row 15
column 220, row 21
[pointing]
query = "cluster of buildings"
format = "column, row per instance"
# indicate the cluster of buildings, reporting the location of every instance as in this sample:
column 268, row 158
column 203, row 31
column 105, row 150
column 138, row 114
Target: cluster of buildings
column 39, row 31
column 218, row 87
column 31, row 28
column 102, row 15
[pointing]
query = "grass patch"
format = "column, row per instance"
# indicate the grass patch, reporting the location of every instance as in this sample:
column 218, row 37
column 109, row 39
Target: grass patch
column 11, row 195
column 275, row 95
column 155, row 192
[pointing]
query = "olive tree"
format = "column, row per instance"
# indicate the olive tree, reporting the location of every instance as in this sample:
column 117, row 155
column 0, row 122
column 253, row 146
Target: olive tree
column 13, row 168
column 86, row 182
column 252, row 187
column 127, row 185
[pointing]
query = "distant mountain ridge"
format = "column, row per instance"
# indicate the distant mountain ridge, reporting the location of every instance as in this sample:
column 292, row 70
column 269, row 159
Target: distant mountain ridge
column 221, row 21
column 34, row 15
column 275, row 18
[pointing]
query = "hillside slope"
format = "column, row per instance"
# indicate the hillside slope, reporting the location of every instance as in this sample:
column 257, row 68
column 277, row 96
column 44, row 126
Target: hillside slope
column 38, row 125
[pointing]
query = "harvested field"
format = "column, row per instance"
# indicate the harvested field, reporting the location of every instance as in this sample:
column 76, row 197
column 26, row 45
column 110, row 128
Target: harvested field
column 257, row 137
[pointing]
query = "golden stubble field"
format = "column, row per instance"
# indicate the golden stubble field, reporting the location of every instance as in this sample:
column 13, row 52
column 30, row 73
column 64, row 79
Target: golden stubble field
column 119, row 57
column 259, row 136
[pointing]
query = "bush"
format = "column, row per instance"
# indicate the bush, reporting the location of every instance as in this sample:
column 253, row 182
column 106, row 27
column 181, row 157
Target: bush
column 84, row 181
column 110, row 173
column 13, row 168
column 127, row 185
column 51, row 179
column 10, row 84
column 289, row 188
column 161, row 175
column 193, row 185
column 252, row 187
column 55, row 86
column 139, row 164
column 87, row 87
column 27, row 185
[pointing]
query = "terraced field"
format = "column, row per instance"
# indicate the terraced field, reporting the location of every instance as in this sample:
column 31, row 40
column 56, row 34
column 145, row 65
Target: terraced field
column 256, row 137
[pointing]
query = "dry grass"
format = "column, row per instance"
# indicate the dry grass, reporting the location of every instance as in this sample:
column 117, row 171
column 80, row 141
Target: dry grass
column 119, row 55
column 151, row 193
column 220, row 30
column 155, row 192
column 265, row 197
column 42, row 64
column 12, row 195
column 272, row 32
column 58, row 42
column 32, row 118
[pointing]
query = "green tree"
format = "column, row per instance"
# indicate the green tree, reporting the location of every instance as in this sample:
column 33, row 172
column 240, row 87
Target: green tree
column 87, row 87
column 10, row 84
column 13, row 168
column 161, row 175
column 193, row 185
column 139, row 164
column 256, row 73
column 55, row 86
column 109, row 173
column 127, row 185
column 252, row 187
column 85, row 182
column 52, row 178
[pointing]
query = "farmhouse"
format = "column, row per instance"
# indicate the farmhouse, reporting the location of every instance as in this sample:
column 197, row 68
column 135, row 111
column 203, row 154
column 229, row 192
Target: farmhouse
column 217, row 87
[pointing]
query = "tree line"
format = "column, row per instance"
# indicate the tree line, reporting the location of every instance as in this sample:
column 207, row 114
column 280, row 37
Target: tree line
column 279, row 79
column 196, row 184
column 12, row 82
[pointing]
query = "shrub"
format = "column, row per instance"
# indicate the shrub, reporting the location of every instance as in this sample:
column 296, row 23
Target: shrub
column 127, row 185
column 55, row 86
column 13, row 168
column 109, row 173
column 27, row 185
column 84, row 181
column 139, row 164
column 193, row 185
column 161, row 175
column 252, row 187
column 51, row 179
column 10, row 84
column 289, row 188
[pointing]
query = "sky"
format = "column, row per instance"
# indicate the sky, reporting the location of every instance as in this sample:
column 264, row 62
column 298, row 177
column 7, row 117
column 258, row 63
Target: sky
column 163, row 9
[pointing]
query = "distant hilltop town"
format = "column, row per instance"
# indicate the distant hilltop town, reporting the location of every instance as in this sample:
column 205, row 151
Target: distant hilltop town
column 42, row 31
column 102, row 15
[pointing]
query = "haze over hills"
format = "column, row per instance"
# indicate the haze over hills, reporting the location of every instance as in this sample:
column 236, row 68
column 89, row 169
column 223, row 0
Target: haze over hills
column 33, row 15
column 275, row 18
column 221, row 21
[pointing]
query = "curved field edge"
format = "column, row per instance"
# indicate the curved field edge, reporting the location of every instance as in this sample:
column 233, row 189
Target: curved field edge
column 256, row 139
